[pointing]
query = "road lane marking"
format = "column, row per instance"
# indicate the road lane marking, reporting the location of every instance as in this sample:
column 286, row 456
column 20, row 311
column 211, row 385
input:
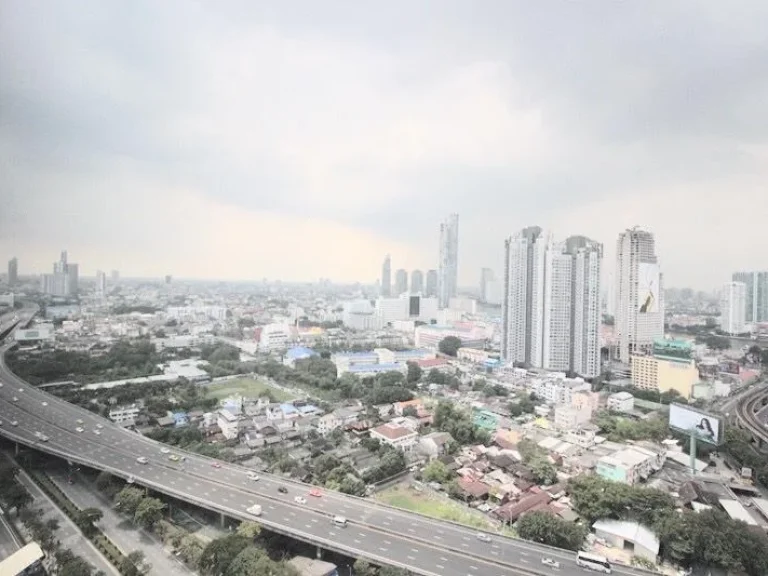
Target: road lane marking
column 411, row 558
column 383, row 549
column 357, row 541
column 414, row 550
column 440, row 566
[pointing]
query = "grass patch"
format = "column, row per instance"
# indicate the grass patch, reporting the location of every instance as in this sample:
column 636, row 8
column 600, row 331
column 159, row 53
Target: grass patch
column 248, row 387
column 437, row 507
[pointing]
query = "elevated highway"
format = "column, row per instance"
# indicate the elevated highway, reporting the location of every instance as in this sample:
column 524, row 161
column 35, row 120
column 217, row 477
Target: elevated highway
column 380, row 533
column 753, row 416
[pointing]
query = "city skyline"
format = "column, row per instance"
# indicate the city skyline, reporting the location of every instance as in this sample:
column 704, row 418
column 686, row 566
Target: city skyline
column 506, row 134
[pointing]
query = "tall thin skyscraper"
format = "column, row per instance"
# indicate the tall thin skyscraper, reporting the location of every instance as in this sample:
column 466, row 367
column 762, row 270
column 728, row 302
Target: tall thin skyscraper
column 386, row 277
column 417, row 282
column 756, row 296
column 101, row 284
column 639, row 292
column 733, row 308
column 65, row 278
column 431, row 283
column 401, row 282
column 486, row 277
column 448, row 269
column 551, row 302
column 13, row 271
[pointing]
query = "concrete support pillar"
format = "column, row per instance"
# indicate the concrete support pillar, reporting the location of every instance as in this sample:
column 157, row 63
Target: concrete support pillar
column 16, row 449
column 223, row 520
column 319, row 553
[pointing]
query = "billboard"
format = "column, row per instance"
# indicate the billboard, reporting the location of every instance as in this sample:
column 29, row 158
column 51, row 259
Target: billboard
column 707, row 427
column 648, row 280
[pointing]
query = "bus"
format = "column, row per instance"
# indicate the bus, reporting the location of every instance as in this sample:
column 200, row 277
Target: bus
column 593, row 562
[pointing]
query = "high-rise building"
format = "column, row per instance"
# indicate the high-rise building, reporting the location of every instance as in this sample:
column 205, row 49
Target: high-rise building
column 448, row 268
column 65, row 278
column 486, row 277
column 386, row 277
column 551, row 302
column 115, row 276
column 401, row 282
column 13, row 271
column 639, row 293
column 733, row 308
column 101, row 284
column 417, row 282
column 756, row 297
column 431, row 283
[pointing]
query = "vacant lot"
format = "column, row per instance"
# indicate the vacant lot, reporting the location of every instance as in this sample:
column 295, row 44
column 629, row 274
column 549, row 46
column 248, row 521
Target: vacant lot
column 248, row 387
column 436, row 506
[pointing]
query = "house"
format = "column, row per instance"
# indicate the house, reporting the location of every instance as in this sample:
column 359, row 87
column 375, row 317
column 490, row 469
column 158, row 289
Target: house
column 180, row 419
column 434, row 444
column 228, row 424
column 166, row 422
column 473, row 489
column 400, row 407
column 629, row 536
column 511, row 512
column 395, row 435
column 297, row 353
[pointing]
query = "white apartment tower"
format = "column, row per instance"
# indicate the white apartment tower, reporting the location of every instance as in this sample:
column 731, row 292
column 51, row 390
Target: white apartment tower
column 733, row 308
column 551, row 302
column 386, row 277
column 101, row 284
column 448, row 269
column 639, row 293
column 756, row 298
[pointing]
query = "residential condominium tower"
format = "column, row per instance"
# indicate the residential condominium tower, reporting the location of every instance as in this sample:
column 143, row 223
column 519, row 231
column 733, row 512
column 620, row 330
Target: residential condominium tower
column 431, row 287
column 639, row 293
column 732, row 308
column 448, row 269
column 551, row 302
column 417, row 282
column 756, row 295
column 13, row 271
column 386, row 277
column 401, row 282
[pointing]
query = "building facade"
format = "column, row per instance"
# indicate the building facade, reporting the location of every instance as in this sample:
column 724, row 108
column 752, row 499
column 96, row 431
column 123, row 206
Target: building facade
column 448, row 270
column 639, row 294
column 386, row 277
column 431, row 287
column 417, row 282
column 756, row 295
column 733, row 307
column 13, row 271
column 670, row 366
column 401, row 282
column 551, row 302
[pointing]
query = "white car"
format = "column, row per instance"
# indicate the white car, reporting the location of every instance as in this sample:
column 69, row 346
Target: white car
column 14, row 423
column 21, row 389
column 300, row 500
column 253, row 476
column 483, row 537
column 551, row 563
column 99, row 426
column 45, row 403
column 15, row 399
column 164, row 450
column 130, row 480
column 79, row 421
column 141, row 460
column 97, row 432
column 79, row 429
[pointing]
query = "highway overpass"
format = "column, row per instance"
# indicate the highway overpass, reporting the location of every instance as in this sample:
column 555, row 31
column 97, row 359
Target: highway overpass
column 752, row 415
column 380, row 533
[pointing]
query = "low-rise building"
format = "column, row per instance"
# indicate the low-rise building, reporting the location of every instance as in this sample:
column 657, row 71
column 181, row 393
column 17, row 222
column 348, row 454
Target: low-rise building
column 670, row 367
column 621, row 402
column 395, row 435
column 124, row 414
column 570, row 418
column 631, row 536
column 630, row 465
column 558, row 389
column 435, row 444
column 228, row 424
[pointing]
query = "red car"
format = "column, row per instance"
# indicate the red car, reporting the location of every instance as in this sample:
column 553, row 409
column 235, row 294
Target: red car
column 216, row 465
column 315, row 492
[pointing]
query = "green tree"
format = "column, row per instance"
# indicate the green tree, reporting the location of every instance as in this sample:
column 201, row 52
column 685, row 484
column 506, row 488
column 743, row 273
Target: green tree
column 133, row 564
column 249, row 529
column 128, row 499
column 75, row 566
column 545, row 528
column 435, row 471
column 85, row 519
column 363, row 568
column 414, row 373
column 190, row 549
column 250, row 560
column 104, row 481
column 449, row 345
column 392, row 571
column 219, row 553
column 149, row 511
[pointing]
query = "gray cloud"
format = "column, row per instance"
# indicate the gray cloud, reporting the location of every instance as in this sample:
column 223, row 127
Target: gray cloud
column 379, row 116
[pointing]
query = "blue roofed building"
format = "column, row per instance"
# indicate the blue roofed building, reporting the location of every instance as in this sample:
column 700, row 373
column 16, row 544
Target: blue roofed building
column 289, row 411
column 297, row 353
column 180, row 419
column 363, row 370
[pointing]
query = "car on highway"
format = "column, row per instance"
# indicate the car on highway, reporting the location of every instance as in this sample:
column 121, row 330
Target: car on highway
column 1, row 422
column 164, row 450
column 483, row 537
column 255, row 510
column 173, row 458
column 315, row 492
column 216, row 465
column 130, row 480
column 300, row 500
column 282, row 490
column 1, row 384
column 14, row 423
column 253, row 476
column 99, row 426
column 80, row 429
column 97, row 432
column 551, row 563
column 79, row 421
column 142, row 460
column 45, row 403
column 15, row 399
column 21, row 389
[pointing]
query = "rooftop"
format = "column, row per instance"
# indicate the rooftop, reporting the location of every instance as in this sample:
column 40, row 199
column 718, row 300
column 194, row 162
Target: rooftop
column 393, row 431
column 629, row 531
column 385, row 367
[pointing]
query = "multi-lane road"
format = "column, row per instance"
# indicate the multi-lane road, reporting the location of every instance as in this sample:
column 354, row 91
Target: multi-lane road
column 377, row 532
column 747, row 410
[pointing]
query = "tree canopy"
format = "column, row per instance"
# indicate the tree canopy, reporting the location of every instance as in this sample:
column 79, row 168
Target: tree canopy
column 449, row 345
column 545, row 528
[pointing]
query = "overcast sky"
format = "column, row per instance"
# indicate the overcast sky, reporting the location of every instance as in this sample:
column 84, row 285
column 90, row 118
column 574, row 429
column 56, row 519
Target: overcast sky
column 305, row 139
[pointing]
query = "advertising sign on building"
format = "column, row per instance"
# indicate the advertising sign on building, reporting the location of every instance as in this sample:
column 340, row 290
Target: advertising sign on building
column 705, row 426
column 648, row 287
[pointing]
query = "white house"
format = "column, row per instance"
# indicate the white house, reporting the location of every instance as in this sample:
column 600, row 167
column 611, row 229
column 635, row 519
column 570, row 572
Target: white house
column 395, row 435
column 621, row 402
column 228, row 424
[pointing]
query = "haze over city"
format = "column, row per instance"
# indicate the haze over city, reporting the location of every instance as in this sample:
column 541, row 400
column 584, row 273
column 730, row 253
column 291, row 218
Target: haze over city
column 290, row 140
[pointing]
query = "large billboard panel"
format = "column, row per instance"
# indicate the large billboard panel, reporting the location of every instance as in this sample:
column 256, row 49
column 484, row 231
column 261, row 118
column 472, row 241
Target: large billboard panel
column 648, row 280
column 707, row 427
